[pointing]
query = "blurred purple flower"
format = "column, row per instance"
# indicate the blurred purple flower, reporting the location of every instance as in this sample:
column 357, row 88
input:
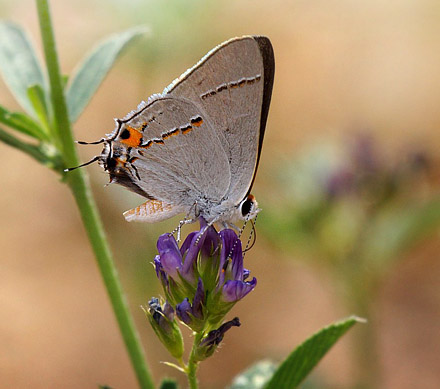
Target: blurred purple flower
column 339, row 183
column 364, row 154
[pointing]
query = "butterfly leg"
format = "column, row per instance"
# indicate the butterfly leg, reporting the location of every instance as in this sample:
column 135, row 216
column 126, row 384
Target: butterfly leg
column 178, row 229
column 231, row 226
column 203, row 231
column 186, row 220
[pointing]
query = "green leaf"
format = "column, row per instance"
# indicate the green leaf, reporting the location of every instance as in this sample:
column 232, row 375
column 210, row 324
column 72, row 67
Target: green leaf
column 92, row 71
column 255, row 377
column 23, row 123
column 307, row 355
column 19, row 64
column 38, row 100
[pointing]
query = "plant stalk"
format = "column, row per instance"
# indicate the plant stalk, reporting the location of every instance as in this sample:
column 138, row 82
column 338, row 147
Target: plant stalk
column 191, row 368
column 360, row 289
column 78, row 183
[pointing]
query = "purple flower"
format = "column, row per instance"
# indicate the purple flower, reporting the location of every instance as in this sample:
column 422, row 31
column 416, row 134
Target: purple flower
column 233, row 275
column 364, row 154
column 203, row 278
column 169, row 258
column 181, row 263
column 339, row 183
column 236, row 290
column 184, row 311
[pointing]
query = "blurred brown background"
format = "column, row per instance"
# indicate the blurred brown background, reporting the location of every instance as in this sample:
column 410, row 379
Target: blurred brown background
column 341, row 66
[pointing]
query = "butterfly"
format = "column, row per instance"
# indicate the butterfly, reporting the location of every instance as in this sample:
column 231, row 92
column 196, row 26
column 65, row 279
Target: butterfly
column 194, row 149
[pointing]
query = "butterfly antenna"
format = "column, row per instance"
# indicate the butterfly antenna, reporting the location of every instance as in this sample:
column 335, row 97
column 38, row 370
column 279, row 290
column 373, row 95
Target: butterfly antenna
column 97, row 142
column 84, row 164
column 253, row 234
column 240, row 233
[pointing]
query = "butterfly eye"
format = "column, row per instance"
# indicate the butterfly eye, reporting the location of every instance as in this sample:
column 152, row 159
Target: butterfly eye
column 247, row 205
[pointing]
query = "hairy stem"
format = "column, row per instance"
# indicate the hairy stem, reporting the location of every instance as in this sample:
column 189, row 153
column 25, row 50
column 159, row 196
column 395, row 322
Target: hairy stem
column 191, row 368
column 78, row 182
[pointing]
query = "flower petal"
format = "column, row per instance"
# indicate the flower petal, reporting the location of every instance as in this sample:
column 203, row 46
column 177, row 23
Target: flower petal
column 167, row 242
column 228, row 237
column 183, row 310
column 171, row 263
column 231, row 250
column 210, row 243
column 237, row 261
column 191, row 256
column 161, row 275
column 168, row 311
column 199, row 300
column 187, row 243
column 235, row 290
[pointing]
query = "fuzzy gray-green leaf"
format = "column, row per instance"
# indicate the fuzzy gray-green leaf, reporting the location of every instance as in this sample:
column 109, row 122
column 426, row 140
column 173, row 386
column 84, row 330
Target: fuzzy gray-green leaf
column 255, row 377
column 92, row 71
column 18, row 63
column 306, row 356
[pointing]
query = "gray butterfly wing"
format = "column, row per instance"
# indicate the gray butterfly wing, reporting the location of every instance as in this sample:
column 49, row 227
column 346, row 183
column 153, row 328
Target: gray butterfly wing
column 233, row 85
column 174, row 154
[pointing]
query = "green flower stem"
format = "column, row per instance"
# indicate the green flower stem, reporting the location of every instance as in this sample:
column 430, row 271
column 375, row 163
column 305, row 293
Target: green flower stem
column 191, row 368
column 359, row 290
column 365, row 350
column 78, row 182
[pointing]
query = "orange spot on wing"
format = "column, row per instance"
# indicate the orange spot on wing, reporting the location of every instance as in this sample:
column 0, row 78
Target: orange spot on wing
column 134, row 139
column 147, row 145
column 198, row 121
column 186, row 129
column 170, row 134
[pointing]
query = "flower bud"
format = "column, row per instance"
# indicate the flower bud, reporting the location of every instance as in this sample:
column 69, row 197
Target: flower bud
column 210, row 342
column 165, row 326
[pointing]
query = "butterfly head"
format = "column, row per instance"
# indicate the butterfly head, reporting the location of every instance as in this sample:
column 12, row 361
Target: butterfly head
column 248, row 208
